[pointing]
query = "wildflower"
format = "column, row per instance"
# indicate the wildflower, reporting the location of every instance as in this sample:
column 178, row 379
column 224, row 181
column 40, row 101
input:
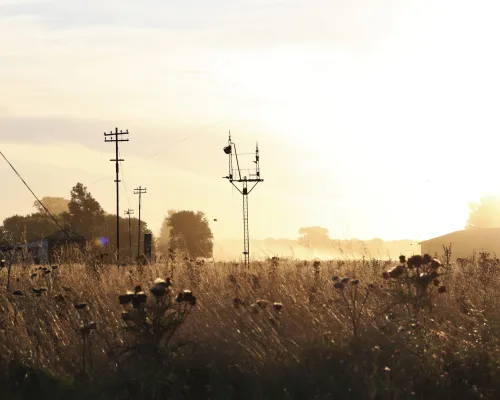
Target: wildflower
column 18, row 293
column 138, row 299
column 159, row 288
column 126, row 298
column 85, row 329
column 427, row 259
column 46, row 272
column 387, row 369
column 415, row 261
column 396, row 271
column 80, row 306
column 59, row 297
column 33, row 276
column 277, row 305
column 126, row 316
column 262, row 303
column 442, row 289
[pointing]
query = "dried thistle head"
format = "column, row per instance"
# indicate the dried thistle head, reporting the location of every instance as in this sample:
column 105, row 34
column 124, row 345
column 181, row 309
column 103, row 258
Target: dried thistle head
column 426, row 259
column 262, row 303
column 339, row 286
column 80, row 306
column 355, row 282
column 345, row 280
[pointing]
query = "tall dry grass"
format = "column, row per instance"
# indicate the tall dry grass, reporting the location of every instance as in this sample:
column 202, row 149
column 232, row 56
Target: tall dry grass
column 281, row 330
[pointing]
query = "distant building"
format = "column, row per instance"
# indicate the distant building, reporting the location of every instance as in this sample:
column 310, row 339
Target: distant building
column 42, row 251
column 464, row 243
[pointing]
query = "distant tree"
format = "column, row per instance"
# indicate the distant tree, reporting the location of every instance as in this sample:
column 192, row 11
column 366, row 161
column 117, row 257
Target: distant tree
column 29, row 228
column 485, row 214
column 163, row 241
column 109, row 231
column 314, row 236
column 86, row 214
column 190, row 232
column 55, row 205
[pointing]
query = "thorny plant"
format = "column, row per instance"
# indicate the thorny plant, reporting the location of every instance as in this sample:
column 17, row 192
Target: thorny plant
column 86, row 328
column 153, row 321
column 413, row 283
column 354, row 297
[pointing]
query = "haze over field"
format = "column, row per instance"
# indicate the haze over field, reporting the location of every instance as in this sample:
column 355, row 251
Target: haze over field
column 375, row 118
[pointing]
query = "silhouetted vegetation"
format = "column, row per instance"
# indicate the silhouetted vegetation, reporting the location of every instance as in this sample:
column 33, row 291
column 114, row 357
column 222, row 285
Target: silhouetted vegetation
column 189, row 232
column 285, row 330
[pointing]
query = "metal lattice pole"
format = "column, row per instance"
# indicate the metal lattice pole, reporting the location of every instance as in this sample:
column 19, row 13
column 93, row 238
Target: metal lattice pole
column 254, row 178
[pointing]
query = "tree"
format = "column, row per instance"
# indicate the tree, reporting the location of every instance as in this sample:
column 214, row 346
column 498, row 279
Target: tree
column 29, row 228
column 55, row 205
column 314, row 236
column 86, row 214
column 190, row 232
column 485, row 214
column 163, row 241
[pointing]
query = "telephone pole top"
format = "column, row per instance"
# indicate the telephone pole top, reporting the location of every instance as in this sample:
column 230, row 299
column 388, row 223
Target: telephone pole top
column 234, row 176
column 116, row 137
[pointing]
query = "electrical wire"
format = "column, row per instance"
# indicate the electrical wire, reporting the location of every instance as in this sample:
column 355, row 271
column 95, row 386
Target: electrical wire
column 35, row 196
column 167, row 147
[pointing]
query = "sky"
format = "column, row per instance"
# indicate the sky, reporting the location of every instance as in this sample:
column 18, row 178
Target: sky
column 374, row 118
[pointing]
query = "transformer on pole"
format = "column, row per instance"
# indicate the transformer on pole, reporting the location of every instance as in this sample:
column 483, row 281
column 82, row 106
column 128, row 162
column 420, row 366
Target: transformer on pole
column 253, row 179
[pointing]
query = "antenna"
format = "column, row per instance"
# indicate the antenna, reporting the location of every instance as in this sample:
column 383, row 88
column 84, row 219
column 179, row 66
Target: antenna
column 252, row 178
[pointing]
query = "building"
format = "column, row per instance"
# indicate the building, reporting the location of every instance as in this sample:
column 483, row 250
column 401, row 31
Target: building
column 464, row 243
column 42, row 251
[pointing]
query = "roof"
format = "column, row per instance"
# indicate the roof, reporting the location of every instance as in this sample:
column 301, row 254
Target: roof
column 466, row 233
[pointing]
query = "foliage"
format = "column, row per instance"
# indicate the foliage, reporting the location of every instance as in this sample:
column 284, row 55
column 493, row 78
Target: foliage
column 253, row 334
column 190, row 232
column 87, row 215
column 163, row 241
column 55, row 205
column 28, row 228
column 485, row 214
column 314, row 236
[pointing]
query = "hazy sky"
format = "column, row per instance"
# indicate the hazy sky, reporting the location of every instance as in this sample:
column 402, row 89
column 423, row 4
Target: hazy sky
column 375, row 118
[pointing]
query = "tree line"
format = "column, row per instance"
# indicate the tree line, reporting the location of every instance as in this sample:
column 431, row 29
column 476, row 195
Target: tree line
column 184, row 230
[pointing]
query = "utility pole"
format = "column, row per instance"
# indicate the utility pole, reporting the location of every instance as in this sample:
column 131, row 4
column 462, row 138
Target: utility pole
column 116, row 137
column 253, row 177
column 129, row 212
column 140, row 191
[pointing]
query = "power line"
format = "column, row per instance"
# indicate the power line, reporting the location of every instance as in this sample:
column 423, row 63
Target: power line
column 35, row 196
column 165, row 148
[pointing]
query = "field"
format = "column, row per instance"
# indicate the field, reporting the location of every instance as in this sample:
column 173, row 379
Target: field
column 282, row 330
